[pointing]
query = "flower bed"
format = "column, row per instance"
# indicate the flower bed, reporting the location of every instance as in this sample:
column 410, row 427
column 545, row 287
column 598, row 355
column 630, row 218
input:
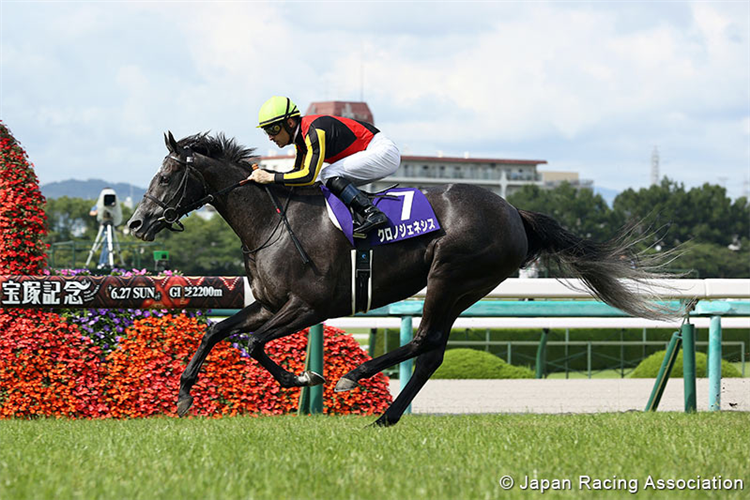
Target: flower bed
column 50, row 366
column 22, row 217
column 143, row 373
column 47, row 368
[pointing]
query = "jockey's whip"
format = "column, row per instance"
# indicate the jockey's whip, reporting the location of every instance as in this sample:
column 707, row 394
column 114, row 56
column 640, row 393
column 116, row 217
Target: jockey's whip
column 282, row 214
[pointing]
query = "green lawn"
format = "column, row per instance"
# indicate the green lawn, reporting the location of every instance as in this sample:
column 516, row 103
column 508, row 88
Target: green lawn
column 424, row 457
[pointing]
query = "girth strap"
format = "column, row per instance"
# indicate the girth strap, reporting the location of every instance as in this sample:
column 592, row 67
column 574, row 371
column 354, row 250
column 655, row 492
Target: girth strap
column 361, row 277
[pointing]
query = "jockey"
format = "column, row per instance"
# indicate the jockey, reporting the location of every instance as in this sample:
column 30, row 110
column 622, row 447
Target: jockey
column 355, row 153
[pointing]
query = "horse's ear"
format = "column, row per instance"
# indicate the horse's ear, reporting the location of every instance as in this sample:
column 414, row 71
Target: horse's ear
column 171, row 142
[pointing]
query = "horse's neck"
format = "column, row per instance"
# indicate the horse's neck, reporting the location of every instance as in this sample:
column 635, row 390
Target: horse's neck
column 247, row 208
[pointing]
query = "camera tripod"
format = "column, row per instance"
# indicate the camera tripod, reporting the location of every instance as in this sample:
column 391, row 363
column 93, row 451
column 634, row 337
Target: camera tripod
column 106, row 235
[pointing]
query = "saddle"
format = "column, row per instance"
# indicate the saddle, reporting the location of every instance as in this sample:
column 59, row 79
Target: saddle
column 409, row 214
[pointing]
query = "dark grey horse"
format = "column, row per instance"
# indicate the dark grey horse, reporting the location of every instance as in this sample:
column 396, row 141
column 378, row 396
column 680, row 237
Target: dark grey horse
column 483, row 240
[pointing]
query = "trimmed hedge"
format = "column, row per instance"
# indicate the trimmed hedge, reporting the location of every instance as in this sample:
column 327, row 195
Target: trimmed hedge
column 604, row 357
column 649, row 367
column 475, row 364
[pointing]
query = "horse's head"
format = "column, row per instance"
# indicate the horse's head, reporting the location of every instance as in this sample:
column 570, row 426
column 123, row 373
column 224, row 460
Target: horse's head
column 172, row 191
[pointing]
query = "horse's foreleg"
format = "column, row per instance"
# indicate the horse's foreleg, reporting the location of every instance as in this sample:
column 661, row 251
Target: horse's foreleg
column 293, row 316
column 285, row 378
column 248, row 319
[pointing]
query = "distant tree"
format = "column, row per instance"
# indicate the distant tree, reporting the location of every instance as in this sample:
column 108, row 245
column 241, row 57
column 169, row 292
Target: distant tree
column 704, row 214
column 740, row 216
column 578, row 210
column 68, row 219
column 713, row 232
column 709, row 260
column 206, row 248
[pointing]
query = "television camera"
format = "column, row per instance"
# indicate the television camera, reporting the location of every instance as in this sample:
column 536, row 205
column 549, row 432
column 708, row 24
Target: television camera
column 108, row 213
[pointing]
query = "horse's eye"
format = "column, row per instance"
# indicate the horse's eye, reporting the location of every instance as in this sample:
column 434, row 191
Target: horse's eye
column 163, row 179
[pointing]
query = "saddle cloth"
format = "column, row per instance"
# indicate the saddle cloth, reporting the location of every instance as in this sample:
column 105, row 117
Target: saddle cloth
column 408, row 210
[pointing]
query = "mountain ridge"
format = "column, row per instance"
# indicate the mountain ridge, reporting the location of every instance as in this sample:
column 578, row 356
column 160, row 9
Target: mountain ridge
column 90, row 189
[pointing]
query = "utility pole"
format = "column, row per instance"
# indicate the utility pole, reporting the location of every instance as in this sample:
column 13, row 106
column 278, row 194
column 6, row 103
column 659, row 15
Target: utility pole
column 655, row 166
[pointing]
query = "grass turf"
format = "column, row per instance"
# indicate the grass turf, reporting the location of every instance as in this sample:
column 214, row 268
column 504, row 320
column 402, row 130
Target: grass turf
column 424, row 457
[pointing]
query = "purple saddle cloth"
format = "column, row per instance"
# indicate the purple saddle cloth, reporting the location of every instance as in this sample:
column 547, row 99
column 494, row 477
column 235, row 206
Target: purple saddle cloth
column 408, row 211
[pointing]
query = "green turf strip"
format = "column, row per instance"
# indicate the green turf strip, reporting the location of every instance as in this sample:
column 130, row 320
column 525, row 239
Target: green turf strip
column 424, row 457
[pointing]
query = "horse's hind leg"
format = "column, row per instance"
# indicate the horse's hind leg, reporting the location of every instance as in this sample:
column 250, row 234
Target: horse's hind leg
column 424, row 367
column 439, row 327
column 448, row 294
column 437, row 323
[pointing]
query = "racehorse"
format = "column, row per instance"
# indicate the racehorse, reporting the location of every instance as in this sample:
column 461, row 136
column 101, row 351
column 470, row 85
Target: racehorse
column 482, row 241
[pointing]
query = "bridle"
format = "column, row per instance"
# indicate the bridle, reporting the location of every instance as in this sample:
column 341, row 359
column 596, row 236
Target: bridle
column 171, row 213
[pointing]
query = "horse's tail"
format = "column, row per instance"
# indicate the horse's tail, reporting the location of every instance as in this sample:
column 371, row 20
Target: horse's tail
column 600, row 265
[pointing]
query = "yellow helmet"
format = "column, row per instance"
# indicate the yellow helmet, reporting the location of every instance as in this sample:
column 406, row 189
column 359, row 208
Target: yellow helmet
column 276, row 109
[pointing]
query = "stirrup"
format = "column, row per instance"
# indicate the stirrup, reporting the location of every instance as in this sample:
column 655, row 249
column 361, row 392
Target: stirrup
column 368, row 225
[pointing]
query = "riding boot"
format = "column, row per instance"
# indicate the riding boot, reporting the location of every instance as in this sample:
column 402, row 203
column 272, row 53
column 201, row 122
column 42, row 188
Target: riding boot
column 352, row 197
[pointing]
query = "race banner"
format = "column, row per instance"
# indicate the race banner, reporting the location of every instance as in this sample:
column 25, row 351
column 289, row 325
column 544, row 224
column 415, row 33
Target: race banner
column 119, row 292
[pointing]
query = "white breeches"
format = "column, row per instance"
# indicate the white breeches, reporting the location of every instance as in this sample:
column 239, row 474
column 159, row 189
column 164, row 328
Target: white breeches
column 380, row 159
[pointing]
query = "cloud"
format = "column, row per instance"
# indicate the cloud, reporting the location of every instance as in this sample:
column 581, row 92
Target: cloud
column 90, row 87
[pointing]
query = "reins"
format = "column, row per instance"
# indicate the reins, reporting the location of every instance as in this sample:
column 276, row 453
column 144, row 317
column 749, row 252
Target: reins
column 171, row 215
column 282, row 213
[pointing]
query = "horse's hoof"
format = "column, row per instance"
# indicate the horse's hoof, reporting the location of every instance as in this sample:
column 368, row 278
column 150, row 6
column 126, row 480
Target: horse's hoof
column 310, row 379
column 183, row 405
column 345, row 384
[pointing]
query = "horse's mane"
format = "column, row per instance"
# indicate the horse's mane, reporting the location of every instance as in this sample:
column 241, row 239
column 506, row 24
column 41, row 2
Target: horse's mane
column 219, row 147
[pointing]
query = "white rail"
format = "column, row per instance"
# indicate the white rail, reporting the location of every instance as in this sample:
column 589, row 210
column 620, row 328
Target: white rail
column 549, row 288
column 539, row 323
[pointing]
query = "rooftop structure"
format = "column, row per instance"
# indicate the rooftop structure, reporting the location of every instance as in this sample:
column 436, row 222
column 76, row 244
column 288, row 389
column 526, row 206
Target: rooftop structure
column 354, row 110
column 552, row 179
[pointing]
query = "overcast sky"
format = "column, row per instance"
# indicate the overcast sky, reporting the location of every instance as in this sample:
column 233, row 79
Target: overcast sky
column 89, row 87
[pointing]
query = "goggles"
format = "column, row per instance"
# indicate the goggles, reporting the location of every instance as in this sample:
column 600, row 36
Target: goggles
column 273, row 129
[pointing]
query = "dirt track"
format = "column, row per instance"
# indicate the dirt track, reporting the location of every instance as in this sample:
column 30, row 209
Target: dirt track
column 566, row 396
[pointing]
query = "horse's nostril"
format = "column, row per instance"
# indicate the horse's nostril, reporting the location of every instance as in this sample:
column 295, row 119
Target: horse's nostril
column 135, row 224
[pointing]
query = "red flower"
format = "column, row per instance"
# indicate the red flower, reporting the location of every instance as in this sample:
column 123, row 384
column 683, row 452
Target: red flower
column 21, row 210
column 143, row 374
column 47, row 368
